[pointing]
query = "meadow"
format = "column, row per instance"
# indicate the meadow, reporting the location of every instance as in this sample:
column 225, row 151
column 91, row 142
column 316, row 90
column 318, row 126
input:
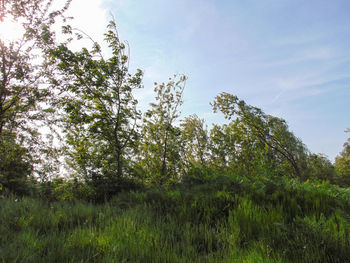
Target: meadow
column 90, row 174
column 223, row 218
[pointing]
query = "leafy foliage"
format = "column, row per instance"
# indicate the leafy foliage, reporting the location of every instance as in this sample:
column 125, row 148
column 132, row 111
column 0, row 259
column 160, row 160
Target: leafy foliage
column 319, row 167
column 15, row 165
column 160, row 145
column 100, row 110
column 342, row 164
column 195, row 141
column 271, row 133
column 172, row 191
column 23, row 94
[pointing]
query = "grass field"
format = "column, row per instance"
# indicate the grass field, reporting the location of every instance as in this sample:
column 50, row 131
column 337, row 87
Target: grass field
column 227, row 219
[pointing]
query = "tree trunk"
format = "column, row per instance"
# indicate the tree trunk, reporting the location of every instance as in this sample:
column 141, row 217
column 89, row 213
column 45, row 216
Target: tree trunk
column 163, row 173
column 120, row 165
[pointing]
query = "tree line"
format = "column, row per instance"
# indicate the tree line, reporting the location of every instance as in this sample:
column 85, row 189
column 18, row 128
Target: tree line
column 86, row 101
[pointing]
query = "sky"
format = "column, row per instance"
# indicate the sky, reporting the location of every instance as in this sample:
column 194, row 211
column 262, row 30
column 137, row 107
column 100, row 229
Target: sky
column 288, row 57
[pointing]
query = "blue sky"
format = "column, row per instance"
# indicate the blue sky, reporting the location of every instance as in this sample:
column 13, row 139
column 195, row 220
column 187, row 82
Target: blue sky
column 289, row 57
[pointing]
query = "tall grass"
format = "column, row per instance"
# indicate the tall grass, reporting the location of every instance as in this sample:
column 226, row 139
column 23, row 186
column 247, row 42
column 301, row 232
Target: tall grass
column 229, row 219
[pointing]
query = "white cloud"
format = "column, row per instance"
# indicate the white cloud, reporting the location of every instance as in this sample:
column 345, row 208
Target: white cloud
column 89, row 16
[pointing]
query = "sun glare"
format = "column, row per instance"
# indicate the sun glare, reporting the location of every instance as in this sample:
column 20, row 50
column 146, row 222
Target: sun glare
column 10, row 31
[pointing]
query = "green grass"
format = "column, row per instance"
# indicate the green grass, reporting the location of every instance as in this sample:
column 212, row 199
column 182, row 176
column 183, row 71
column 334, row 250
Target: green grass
column 225, row 220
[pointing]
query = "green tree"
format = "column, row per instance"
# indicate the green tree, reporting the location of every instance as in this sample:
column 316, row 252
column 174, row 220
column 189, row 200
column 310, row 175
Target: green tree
column 23, row 93
column 219, row 146
column 15, row 165
column 100, row 115
column 160, row 146
column 22, row 74
column 342, row 164
column 195, row 140
column 234, row 147
column 320, row 167
column 272, row 133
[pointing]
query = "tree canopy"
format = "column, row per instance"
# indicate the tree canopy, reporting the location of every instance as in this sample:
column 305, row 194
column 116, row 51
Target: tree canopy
column 89, row 99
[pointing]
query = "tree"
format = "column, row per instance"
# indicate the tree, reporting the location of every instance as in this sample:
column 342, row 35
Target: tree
column 320, row 167
column 160, row 146
column 15, row 165
column 271, row 132
column 21, row 72
column 195, row 140
column 22, row 93
column 233, row 147
column 342, row 164
column 100, row 115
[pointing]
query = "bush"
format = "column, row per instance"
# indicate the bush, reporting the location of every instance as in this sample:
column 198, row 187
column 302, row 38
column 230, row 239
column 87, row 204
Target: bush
column 15, row 166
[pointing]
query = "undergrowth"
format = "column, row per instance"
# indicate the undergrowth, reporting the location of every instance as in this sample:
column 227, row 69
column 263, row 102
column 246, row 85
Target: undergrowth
column 226, row 219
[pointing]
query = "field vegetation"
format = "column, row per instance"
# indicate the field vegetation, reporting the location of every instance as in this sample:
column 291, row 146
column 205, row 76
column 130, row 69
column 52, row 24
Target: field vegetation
column 85, row 176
